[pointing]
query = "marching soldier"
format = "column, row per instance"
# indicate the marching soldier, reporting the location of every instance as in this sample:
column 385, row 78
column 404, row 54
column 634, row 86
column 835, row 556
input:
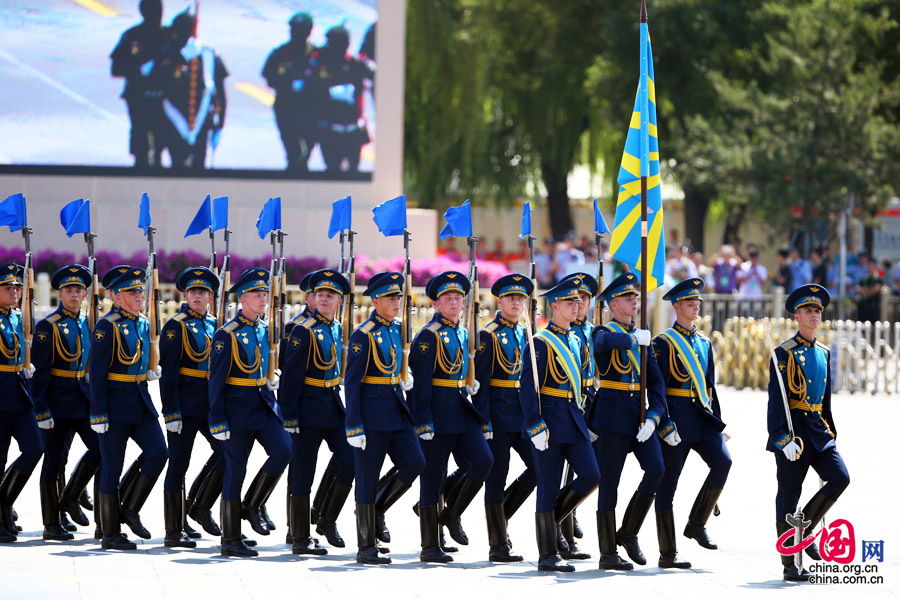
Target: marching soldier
column 121, row 407
column 686, row 360
column 185, row 346
column 17, row 417
column 498, row 369
column 379, row 421
column 310, row 399
column 803, row 367
column 616, row 421
column 553, row 406
column 446, row 420
column 243, row 409
column 61, row 397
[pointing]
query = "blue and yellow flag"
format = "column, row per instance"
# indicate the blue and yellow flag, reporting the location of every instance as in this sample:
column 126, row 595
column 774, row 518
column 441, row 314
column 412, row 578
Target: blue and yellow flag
column 641, row 157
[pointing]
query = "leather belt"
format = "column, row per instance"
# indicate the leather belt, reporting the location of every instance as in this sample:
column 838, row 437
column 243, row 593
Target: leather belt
column 505, row 383
column 322, row 383
column 126, row 378
column 244, row 382
column 620, row 385
column 375, row 380
column 194, row 373
column 451, row 383
column 67, row 374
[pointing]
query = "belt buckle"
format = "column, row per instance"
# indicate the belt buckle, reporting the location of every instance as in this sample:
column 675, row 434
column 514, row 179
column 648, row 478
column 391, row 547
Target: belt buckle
column 631, row 386
column 517, row 384
column 395, row 379
column 328, row 383
column 461, row 383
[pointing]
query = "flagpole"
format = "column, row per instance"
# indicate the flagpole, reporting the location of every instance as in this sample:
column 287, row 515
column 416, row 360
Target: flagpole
column 645, row 160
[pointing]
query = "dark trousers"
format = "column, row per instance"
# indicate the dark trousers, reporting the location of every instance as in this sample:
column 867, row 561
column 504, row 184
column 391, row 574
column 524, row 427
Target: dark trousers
column 273, row 438
column 22, row 426
column 549, row 463
column 57, row 442
column 500, row 445
column 612, row 450
column 830, row 467
column 471, row 445
column 403, row 448
column 180, row 448
column 147, row 435
column 305, row 452
column 711, row 449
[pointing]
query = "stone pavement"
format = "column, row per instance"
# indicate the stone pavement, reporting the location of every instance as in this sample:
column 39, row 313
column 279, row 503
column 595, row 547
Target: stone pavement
column 745, row 566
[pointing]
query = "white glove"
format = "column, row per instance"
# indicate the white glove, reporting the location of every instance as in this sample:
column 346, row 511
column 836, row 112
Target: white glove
column 154, row 375
column 473, row 389
column 292, row 429
column 642, row 336
column 646, row 430
column 542, row 440
column 407, row 384
column 594, row 437
column 46, row 423
column 273, row 383
column 175, row 426
column 791, row 451
column 222, row 437
column 28, row 371
column 427, row 436
column 488, row 435
column 673, row 439
column 357, row 441
column 101, row 428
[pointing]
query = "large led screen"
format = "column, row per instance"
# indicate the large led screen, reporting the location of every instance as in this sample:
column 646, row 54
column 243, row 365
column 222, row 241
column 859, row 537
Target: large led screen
column 270, row 88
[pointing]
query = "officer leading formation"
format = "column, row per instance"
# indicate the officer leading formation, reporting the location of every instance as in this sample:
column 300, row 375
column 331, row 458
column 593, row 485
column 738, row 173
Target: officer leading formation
column 568, row 399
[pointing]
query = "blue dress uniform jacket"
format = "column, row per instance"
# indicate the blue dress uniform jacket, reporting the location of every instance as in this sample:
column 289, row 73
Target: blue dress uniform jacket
column 556, row 409
column 309, row 395
column 238, row 397
column 803, row 366
column 288, row 328
column 582, row 330
column 17, row 393
column 118, row 369
column 498, row 369
column 185, row 345
column 683, row 402
column 617, row 408
column 375, row 401
column 439, row 364
column 59, row 354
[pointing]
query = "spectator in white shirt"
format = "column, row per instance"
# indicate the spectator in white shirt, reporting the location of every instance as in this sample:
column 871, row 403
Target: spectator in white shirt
column 752, row 276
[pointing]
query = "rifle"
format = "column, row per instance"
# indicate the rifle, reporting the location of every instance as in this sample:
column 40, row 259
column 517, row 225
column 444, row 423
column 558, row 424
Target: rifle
column 274, row 308
column 214, row 267
column 472, row 308
column 153, row 301
column 406, row 310
column 28, row 299
column 94, row 300
column 349, row 301
column 532, row 274
column 224, row 283
column 598, row 303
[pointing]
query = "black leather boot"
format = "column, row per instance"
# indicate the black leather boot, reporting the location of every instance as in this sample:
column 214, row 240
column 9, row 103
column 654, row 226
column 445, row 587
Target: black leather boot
column 385, row 497
column 130, row 475
column 606, row 536
column 703, row 507
column 64, row 521
column 322, row 491
column 334, row 502
column 53, row 529
column 814, row 511
column 626, row 536
column 10, row 488
column 790, row 572
column 70, row 498
column 206, row 495
column 185, row 526
column 576, row 526
column 98, row 531
column 132, row 502
column 365, row 537
column 431, row 543
column 302, row 542
column 256, row 495
column 233, row 543
column 173, row 515
column 451, row 517
column 515, row 495
column 665, row 533
column 569, row 550
column 113, row 538
column 497, row 538
column 444, row 545
column 549, row 559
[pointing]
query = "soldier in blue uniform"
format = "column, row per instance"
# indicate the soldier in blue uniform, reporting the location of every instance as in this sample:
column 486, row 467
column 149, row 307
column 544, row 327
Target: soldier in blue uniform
column 121, row 407
column 446, row 420
column 686, row 360
column 616, row 421
column 311, row 402
column 498, row 369
column 803, row 365
column 59, row 353
column 243, row 409
column 553, row 408
column 185, row 346
column 17, row 411
column 379, row 421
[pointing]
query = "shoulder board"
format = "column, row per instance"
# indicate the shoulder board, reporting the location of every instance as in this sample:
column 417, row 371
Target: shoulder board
column 54, row 318
column 308, row 323
column 491, row 327
column 180, row 317
column 112, row 317
column 231, row 326
column 789, row 344
column 433, row 326
column 367, row 326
